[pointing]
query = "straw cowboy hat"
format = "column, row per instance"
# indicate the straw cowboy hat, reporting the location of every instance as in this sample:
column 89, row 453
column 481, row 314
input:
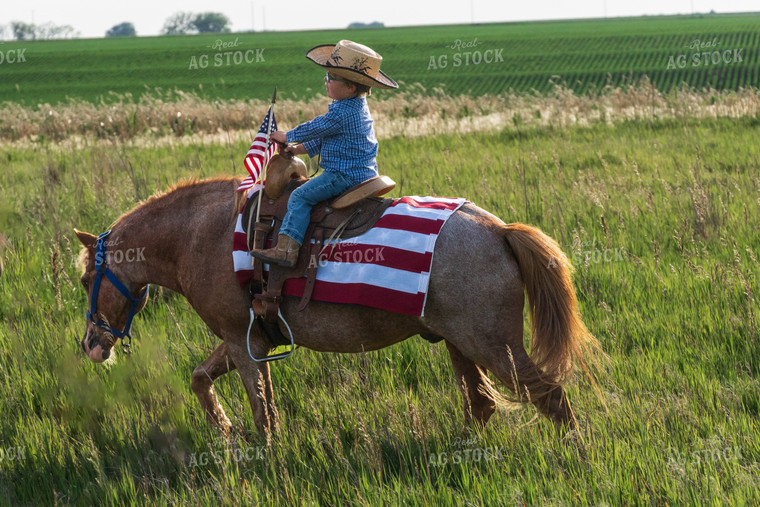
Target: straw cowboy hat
column 352, row 61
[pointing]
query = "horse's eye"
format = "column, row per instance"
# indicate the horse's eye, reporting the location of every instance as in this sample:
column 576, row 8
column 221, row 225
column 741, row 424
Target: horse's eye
column 84, row 283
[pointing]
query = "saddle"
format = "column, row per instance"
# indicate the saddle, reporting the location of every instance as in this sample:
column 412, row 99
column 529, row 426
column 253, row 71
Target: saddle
column 349, row 215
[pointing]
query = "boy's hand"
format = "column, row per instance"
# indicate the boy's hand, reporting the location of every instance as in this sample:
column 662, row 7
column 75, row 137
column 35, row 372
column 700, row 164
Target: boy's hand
column 280, row 137
column 290, row 150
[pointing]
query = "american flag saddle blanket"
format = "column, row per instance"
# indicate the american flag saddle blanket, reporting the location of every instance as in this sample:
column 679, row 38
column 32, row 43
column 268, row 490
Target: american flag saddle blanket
column 387, row 267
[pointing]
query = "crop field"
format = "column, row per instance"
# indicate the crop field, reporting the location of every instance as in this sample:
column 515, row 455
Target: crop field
column 653, row 194
column 718, row 51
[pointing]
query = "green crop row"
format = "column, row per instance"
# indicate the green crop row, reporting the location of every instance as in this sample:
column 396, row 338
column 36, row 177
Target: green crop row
column 459, row 59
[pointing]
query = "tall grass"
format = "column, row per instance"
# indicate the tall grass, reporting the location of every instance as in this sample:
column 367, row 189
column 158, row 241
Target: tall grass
column 413, row 111
column 659, row 216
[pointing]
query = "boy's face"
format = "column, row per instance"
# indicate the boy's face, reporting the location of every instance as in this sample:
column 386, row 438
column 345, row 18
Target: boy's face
column 339, row 89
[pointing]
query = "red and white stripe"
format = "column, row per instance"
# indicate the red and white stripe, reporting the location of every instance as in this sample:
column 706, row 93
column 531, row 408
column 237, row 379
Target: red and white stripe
column 242, row 260
column 388, row 267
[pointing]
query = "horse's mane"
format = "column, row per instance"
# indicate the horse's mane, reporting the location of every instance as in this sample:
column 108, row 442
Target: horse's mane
column 181, row 186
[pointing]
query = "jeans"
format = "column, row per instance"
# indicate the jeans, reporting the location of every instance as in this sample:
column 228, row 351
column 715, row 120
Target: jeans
column 326, row 185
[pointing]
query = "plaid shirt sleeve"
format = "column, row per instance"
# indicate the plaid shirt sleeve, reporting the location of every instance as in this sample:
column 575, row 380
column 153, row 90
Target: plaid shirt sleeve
column 319, row 127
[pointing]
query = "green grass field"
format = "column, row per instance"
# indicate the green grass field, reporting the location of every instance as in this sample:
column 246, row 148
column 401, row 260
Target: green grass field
column 661, row 219
column 585, row 55
column 659, row 213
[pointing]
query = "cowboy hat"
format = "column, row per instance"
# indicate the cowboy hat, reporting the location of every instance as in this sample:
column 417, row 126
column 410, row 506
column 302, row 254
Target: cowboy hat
column 352, row 61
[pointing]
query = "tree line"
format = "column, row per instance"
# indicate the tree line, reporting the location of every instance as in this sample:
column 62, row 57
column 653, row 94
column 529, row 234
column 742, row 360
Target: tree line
column 180, row 23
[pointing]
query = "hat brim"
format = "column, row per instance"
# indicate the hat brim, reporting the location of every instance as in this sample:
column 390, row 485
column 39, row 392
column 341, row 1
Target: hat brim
column 321, row 54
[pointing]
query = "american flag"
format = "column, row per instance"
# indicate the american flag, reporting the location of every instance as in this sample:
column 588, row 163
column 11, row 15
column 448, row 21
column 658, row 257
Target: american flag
column 259, row 153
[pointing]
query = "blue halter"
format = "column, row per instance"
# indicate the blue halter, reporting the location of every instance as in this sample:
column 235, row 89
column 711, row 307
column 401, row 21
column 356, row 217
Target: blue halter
column 92, row 313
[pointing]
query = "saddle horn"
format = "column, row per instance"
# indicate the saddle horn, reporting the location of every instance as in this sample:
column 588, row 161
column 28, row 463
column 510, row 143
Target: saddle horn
column 280, row 171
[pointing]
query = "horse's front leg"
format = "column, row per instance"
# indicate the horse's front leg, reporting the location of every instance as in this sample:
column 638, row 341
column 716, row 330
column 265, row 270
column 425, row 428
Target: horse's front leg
column 258, row 382
column 217, row 364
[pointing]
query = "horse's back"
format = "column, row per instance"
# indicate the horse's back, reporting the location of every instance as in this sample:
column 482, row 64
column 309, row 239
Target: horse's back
column 475, row 281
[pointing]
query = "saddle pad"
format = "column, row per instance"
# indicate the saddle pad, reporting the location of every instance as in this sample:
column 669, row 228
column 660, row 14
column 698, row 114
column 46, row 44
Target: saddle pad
column 388, row 267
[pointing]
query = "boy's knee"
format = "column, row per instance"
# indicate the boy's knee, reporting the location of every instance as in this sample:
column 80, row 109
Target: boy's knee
column 296, row 198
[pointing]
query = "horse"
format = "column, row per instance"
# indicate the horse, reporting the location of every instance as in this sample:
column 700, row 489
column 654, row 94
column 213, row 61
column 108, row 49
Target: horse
column 482, row 269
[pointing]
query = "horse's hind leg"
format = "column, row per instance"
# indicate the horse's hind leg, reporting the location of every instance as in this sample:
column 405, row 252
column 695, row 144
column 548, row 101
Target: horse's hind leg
column 478, row 405
column 217, row 364
column 514, row 368
column 476, row 300
column 503, row 355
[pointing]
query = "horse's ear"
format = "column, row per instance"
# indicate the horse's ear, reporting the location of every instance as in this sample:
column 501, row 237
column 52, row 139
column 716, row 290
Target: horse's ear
column 86, row 239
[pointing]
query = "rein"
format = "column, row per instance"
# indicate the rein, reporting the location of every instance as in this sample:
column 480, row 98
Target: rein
column 92, row 312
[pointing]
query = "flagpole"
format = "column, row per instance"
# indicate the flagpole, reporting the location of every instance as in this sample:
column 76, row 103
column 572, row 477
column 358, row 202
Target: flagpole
column 263, row 174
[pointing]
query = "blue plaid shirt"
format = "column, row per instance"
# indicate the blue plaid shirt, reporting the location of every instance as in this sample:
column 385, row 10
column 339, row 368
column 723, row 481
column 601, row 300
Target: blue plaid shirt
column 344, row 139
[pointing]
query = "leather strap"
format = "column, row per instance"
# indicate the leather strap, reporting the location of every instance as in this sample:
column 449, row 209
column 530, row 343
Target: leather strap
column 270, row 300
column 311, row 270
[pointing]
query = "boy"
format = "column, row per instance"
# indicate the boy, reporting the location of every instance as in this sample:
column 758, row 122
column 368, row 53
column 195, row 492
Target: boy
column 344, row 138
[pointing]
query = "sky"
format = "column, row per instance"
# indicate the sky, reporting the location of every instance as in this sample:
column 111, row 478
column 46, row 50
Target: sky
column 92, row 18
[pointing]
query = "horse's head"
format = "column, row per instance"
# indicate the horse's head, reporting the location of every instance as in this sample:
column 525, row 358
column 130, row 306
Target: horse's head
column 113, row 300
column 282, row 169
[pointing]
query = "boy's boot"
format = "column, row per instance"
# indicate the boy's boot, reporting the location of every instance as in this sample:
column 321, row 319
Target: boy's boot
column 285, row 253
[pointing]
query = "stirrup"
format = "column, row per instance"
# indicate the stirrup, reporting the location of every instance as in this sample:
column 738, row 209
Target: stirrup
column 273, row 357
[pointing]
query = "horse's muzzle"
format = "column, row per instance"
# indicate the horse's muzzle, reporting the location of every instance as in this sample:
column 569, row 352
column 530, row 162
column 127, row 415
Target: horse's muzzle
column 94, row 349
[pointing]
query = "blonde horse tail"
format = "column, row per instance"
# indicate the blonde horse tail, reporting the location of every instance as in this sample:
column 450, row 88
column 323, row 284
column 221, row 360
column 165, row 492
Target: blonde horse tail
column 559, row 336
